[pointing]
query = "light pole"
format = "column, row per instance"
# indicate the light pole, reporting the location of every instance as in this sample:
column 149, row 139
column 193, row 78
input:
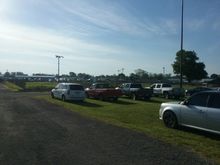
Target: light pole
column 58, row 59
column 181, row 48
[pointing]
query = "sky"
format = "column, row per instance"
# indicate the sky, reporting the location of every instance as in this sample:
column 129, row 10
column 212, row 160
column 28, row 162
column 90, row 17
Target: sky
column 103, row 36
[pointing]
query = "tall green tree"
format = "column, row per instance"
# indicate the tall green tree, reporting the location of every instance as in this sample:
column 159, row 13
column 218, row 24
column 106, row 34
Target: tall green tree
column 191, row 68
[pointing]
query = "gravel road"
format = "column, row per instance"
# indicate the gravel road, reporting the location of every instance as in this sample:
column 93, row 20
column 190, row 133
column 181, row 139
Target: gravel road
column 37, row 132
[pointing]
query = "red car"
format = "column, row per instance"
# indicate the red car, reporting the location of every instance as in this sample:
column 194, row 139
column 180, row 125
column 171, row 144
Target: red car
column 103, row 91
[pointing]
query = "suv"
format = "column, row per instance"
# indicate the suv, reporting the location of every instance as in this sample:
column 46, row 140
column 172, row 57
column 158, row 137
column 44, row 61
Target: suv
column 166, row 90
column 161, row 89
column 68, row 91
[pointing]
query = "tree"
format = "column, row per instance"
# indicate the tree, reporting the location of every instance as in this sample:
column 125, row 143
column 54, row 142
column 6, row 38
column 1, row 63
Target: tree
column 72, row 74
column 214, row 76
column 191, row 69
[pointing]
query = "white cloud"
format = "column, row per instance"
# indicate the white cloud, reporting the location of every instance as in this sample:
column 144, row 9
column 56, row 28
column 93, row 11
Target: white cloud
column 25, row 39
column 114, row 17
column 195, row 24
column 28, row 47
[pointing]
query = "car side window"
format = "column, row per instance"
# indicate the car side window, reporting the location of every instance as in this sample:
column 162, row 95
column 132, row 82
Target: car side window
column 127, row 86
column 199, row 99
column 215, row 101
column 158, row 86
column 93, row 86
column 153, row 86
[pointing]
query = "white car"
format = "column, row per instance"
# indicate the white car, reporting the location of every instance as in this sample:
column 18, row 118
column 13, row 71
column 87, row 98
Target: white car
column 68, row 91
column 200, row 111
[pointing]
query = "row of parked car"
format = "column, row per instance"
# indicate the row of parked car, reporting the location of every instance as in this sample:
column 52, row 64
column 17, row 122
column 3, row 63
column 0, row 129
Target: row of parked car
column 104, row 91
column 200, row 111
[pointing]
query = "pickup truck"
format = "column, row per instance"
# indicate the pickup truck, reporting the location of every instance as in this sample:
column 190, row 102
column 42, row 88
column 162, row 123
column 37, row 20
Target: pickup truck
column 166, row 90
column 102, row 91
column 135, row 91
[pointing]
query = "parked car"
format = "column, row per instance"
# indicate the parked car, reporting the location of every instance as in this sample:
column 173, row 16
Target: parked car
column 200, row 111
column 167, row 91
column 136, row 90
column 68, row 91
column 103, row 91
column 176, row 93
column 190, row 92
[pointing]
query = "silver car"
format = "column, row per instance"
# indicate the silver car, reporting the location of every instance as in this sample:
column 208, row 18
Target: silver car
column 200, row 111
column 68, row 91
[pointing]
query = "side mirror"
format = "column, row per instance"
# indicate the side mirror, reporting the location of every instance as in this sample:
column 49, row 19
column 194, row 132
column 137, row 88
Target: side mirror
column 185, row 102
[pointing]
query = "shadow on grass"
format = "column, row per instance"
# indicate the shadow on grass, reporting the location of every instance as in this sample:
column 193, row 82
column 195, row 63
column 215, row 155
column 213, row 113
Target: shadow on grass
column 122, row 102
column 163, row 100
column 85, row 104
column 209, row 135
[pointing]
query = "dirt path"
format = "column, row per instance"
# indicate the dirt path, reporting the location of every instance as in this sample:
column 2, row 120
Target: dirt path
column 36, row 132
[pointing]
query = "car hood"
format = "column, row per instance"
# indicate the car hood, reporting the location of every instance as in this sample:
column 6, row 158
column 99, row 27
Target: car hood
column 171, row 103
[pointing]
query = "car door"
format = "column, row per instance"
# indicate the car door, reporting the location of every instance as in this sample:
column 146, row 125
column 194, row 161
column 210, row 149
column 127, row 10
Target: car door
column 213, row 112
column 91, row 90
column 60, row 91
column 157, row 89
column 126, row 89
column 194, row 113
column 55, row 91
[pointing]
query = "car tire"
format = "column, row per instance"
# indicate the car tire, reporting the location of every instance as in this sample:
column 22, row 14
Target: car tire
column 166, row 95
column 63, row 98
column 133, row 96
column 101, row 97
column 52, row 95
column 170, row 120
column 87, row 95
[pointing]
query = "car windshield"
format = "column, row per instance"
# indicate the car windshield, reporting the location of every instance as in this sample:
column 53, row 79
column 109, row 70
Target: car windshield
column 76, row 87
column 136, row 86
column 103, row 86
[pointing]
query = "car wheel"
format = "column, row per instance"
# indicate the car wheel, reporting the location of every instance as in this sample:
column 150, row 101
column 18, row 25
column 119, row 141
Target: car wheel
column 63, row 98
column 146, row 98
column 133, row 96
column 166, row 95
column 101, row 97
column 87, row 95
column 170, row 120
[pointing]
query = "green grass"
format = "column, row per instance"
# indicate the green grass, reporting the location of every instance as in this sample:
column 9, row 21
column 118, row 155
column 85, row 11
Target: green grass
column 12, row 87
column 39, row 86
column 142, row 116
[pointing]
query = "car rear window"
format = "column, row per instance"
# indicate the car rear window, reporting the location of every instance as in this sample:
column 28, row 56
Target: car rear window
column 76, row 87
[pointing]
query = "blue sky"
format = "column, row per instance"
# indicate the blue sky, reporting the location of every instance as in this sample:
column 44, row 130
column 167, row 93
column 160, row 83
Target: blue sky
column 104, row 36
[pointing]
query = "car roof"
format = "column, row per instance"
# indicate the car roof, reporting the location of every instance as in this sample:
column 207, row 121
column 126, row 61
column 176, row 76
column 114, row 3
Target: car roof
column 70, row 83
column 210, row 91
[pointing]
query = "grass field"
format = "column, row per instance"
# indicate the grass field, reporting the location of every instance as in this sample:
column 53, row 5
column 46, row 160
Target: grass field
column 40, row 86
column 142, row 116
column 12, row 87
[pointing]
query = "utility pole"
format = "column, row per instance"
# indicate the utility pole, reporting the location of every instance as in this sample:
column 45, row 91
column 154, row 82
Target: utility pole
column 58, row 59
column 181, row 48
